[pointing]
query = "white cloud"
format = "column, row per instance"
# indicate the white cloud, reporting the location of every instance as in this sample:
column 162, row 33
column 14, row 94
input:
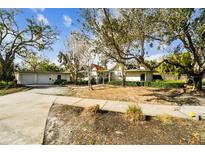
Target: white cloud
column 116, row 13
column 157, row 56
column 41, row 18
column 67, row 20
column 164, row 46
column 37, row 10
column 55, row 61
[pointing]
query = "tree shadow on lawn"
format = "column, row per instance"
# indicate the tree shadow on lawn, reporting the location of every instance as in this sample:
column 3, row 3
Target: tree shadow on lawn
column 105, row 87
column 172, row 96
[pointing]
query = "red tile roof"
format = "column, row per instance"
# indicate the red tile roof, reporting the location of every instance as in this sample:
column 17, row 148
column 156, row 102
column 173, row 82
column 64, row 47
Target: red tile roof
column 98, row 68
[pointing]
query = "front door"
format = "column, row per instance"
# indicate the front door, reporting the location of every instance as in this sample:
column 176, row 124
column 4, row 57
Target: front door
column 142, row 77
column 59, row 77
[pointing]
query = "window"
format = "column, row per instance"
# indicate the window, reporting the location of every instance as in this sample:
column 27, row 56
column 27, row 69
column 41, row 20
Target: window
column 59, row 77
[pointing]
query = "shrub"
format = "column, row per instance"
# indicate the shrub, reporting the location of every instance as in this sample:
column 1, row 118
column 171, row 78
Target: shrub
column 203, row 81
column 165, row 118
column 85, row 82
column 167, row 84
column 91, row 110
column 11, row 83
column 157, row 83
column 115, row 82
column 60, row 82
column 134, row 112
column 3, row 83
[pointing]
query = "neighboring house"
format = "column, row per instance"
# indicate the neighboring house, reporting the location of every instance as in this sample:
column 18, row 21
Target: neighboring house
column 95, row 72
column 133, row 73
column 24, row 77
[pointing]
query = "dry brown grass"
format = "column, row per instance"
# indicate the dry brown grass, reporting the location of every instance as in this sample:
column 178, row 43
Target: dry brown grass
column 118, row 93
column 91, row 110
column 136, row 94
column 165, row 118
column 6, row 91
column 65, row 125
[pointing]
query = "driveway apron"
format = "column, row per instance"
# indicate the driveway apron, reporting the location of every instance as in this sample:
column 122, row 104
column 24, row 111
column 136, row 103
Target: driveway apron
column 23, row 117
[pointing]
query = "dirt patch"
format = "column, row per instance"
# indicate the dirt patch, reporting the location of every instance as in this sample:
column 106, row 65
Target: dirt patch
column 67, row 125
column 139, row 95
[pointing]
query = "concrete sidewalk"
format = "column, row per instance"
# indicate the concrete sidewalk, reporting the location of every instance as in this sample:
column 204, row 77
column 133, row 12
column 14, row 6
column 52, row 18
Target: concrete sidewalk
column 120, row 106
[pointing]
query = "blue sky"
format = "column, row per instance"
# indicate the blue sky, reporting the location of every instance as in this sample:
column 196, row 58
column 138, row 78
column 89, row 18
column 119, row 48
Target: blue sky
column 64, row 19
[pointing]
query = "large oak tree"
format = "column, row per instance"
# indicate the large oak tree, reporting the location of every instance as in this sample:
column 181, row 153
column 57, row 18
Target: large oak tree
column 124, row 37
column 184, row 29
column 17, row 40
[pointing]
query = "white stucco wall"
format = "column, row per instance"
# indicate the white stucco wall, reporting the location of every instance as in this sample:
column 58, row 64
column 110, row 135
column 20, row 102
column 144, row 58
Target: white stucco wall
column 39, row 78
column 116, row 75
column 133, row 76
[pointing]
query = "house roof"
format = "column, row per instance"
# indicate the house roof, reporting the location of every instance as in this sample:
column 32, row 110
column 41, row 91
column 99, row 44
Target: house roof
column 114, row 66
column 98, row 68
column 131, row 68
column 42, row 72
column 137, row 70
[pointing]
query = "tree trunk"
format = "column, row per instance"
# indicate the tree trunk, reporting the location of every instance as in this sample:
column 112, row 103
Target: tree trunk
column 103, row 78
column 89, row 79
column 123, row 76
column 76, row 78
column 198, row 82
column 6, row 71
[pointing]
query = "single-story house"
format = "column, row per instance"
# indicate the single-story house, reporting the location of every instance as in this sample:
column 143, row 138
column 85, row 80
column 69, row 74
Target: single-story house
column 24, row 77
column 99, row 73
column 95, row 69
column 133, row 73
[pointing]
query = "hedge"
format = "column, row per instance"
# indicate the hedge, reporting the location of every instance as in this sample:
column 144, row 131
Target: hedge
column 158, row 84
column 7, row 84
column 203, row 81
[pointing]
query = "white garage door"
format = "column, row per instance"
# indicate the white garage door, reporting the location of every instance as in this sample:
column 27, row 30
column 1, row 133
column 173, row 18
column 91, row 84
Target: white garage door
column 43, row 79
column 27, row 79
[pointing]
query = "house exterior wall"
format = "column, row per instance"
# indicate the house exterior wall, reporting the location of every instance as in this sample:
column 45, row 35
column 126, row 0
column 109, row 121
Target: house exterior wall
column 39, row 78
column 136, row 76
column 133, row 76
column 116, row 75
column 63, row 76
column 94, row 72
column 148, row 76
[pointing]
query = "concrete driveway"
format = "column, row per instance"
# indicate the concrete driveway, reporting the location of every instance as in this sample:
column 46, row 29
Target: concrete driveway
column 48, row 89
column 23, row 117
